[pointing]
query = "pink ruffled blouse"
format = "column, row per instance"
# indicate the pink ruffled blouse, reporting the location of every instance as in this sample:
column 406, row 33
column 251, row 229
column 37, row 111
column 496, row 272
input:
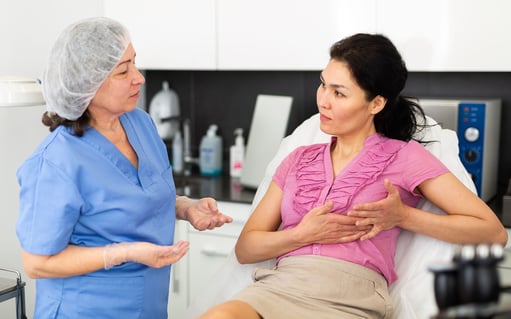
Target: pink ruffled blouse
column 307, row 181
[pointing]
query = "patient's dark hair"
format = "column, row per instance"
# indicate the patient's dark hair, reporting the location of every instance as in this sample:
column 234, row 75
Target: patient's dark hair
column 378, row 68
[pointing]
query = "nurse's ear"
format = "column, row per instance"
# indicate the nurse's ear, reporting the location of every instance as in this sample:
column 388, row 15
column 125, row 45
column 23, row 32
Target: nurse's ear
column 377, row 104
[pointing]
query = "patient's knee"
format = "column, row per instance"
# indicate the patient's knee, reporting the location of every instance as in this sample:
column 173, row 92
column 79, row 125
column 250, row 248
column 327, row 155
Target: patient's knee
column 234, row 309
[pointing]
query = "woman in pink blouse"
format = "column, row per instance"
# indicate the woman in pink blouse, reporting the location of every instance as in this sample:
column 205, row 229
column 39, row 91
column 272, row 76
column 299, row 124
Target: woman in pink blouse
column 333, row 212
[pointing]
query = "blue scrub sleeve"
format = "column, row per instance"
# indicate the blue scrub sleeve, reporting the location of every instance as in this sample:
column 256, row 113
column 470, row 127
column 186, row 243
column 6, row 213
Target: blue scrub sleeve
column 49, row 207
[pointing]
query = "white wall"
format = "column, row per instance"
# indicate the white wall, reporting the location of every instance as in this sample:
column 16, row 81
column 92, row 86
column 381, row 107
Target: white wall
column 28, row 29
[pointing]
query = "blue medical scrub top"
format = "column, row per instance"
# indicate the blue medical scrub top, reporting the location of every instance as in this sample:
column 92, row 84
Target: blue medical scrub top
column 85, row 192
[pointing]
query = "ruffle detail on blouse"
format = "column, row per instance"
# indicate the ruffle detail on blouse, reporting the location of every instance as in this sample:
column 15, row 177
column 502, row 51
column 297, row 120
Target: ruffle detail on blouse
column 364, row 169
column 310, row 177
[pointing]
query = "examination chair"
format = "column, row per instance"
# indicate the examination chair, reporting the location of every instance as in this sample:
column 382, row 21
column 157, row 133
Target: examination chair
column 413, row 292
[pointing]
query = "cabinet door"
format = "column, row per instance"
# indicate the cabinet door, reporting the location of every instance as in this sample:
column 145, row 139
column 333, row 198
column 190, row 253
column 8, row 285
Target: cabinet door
column 208, row 251
column 286, row 34
column 169, row 34
column 449, row 35
column 207, row 254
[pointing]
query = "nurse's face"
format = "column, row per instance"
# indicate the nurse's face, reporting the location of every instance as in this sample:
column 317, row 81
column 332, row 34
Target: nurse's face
column 120, row 91
column 342, row 104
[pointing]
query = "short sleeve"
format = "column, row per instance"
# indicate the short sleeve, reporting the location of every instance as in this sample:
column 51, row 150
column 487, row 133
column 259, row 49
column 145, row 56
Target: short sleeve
column 421, row 165
column 49, row 207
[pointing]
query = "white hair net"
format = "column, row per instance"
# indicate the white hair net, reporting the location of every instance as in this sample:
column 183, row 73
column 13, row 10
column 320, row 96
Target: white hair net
column 81, row 59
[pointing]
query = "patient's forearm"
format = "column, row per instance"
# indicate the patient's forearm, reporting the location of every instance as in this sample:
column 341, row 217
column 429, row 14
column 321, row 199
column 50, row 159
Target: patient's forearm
column 469, row 220
column 457, row 229
column 255, row 246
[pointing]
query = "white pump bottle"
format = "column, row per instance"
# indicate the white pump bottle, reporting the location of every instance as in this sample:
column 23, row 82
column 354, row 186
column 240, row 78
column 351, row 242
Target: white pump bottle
column 237, row 154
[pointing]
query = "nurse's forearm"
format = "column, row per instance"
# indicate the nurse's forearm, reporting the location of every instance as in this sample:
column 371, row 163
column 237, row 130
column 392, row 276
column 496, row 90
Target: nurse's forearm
column 72, row 261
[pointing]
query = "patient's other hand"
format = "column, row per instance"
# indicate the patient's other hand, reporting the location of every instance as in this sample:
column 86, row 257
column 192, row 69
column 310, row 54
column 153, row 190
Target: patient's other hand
column 380, row 215
column 322, row 227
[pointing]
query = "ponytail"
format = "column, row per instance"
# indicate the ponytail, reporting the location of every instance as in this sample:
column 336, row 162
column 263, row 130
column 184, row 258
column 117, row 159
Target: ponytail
column 400, row 119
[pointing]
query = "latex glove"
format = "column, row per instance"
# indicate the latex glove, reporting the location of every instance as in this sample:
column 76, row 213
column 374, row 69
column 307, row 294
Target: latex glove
column 204, row 214
column 149, row 254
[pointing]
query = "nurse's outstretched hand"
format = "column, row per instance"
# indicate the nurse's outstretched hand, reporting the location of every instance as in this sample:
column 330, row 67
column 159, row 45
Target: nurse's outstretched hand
column 149, row 254
column 204, row 214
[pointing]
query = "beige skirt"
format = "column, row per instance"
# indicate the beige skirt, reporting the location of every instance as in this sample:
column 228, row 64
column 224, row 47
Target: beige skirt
column 317, row 287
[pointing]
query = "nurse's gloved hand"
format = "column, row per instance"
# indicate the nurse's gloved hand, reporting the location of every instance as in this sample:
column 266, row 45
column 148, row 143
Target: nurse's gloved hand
column 149, row 254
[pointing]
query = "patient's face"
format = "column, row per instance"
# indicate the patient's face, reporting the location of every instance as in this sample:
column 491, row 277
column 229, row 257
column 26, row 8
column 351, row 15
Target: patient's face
column 342, row 102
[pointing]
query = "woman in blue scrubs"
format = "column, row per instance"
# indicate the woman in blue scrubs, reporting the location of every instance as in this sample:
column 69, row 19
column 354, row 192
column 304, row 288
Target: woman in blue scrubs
column 97, row 202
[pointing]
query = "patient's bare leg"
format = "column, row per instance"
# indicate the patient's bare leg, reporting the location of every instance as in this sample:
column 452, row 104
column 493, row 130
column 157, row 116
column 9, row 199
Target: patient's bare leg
column 233, row 309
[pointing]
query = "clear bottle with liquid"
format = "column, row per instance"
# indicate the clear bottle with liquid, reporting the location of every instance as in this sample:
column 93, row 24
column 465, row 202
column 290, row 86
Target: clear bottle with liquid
column 210, row 153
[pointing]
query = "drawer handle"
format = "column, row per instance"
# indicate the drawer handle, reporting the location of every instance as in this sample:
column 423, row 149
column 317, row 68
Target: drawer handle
column 211, row 252
column 176, row 274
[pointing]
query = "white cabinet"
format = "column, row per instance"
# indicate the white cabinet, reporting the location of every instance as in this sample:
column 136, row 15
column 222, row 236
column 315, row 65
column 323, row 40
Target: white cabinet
column 435, row 35
column 239, row 35
column 286, row 34
column 208, row 251
column 449, row 35
column 169, row 34
column 205, row 258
